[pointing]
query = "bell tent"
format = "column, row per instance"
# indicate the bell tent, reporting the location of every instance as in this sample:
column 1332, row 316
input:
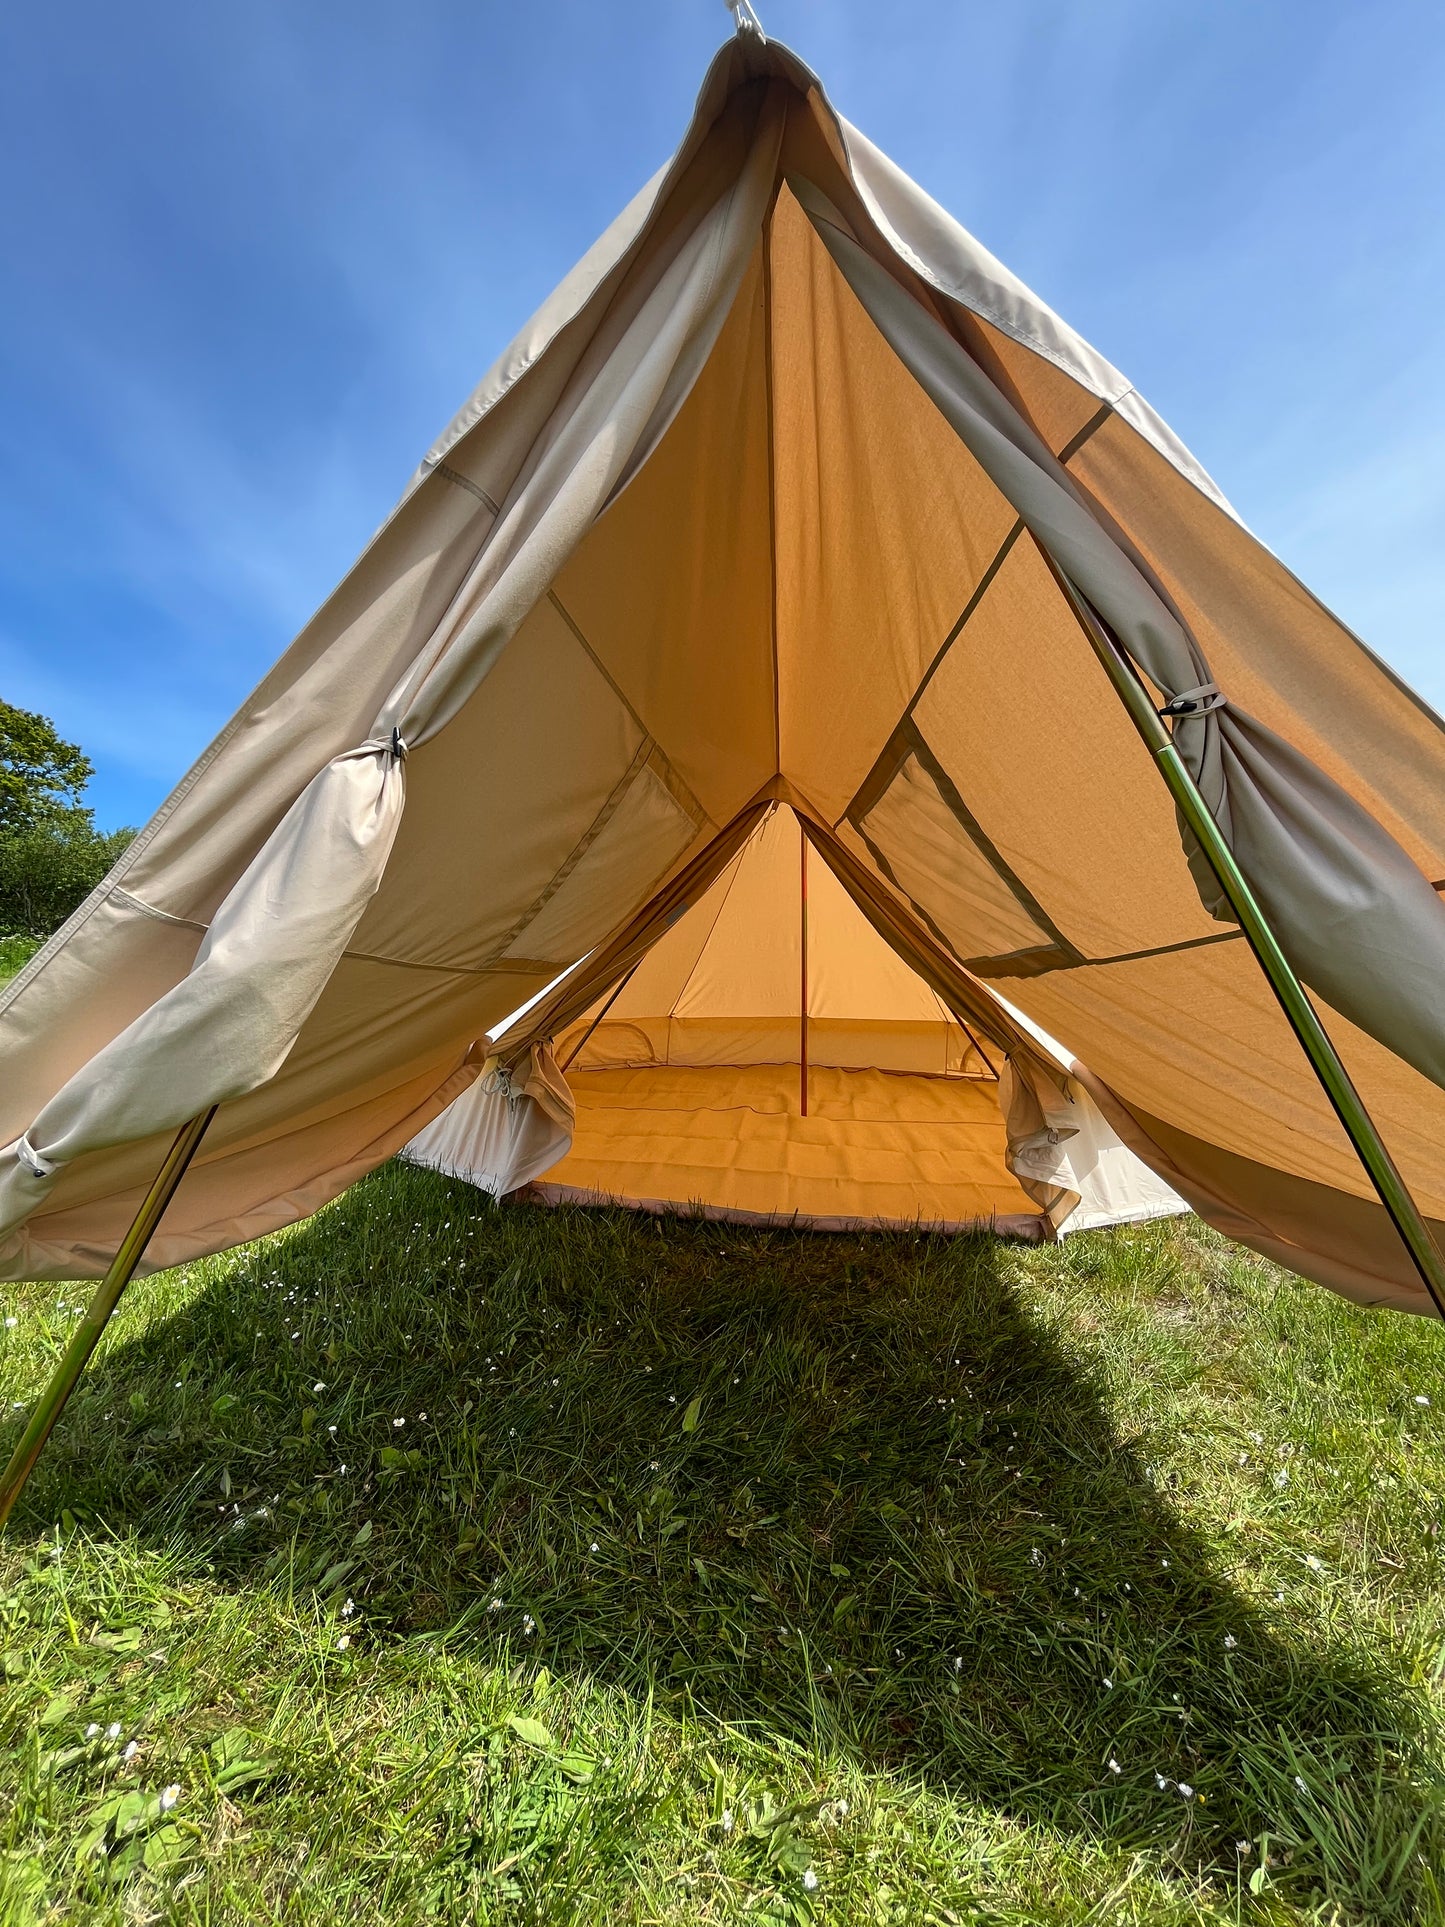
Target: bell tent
column 773, row 1057
column 790, row 494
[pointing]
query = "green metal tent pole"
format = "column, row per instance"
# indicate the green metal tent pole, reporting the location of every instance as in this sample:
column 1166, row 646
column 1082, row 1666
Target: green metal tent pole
column 53, row 1399
column 1359, row 1126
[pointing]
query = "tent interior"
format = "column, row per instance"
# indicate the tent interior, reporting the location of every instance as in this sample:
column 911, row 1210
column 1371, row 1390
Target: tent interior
column 790, row 494
column 772, row 1056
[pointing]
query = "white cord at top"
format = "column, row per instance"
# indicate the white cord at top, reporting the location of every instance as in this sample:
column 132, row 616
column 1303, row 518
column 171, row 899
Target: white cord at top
column 744, row 18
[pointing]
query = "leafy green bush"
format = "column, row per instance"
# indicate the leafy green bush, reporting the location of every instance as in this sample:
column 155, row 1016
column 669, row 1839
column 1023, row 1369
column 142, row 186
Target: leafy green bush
column 49, row 867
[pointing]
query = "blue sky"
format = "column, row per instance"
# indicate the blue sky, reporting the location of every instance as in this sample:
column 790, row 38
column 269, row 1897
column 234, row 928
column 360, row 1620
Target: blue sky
column 255, row 256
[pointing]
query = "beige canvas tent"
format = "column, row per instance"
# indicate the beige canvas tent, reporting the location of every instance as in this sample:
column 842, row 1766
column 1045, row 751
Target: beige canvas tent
column 772, row 1057
column 790, row 493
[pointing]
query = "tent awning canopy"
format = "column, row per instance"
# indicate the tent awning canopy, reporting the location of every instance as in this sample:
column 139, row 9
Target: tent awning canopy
column 771, row 501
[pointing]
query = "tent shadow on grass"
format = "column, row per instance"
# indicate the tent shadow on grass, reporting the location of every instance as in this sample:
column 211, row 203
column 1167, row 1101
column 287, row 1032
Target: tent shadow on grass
column 847, row 1490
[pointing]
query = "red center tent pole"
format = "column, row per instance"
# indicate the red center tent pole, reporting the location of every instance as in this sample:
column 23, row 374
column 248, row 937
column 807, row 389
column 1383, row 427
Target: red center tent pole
column 803, row 994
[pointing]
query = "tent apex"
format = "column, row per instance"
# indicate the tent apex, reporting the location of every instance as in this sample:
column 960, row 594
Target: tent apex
column 744, row 18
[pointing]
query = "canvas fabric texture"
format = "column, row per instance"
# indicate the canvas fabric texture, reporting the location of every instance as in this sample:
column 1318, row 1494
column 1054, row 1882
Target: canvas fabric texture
column 764, row 505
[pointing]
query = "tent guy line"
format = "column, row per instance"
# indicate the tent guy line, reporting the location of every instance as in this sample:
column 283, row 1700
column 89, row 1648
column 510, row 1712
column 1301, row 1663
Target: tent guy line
column 682, row 561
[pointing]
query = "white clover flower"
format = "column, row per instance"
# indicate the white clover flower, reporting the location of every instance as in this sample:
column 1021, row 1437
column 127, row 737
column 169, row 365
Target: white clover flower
column 726, row 1823
column 494, row 1606
column 1230, row 1642
column 810, row 1879
column 1299, row 1782
column 91, row 1730
column 11, row 1323
column 132, row 1747
column 112, row 1732
column 343, row 1642
column 1281, row 1478
column 1114, row 1766
column 529, row 1625
column 398, row 1421
column 1420, row 1397
column 1314, row 1564
column 169, row 1796
column 594, row 1547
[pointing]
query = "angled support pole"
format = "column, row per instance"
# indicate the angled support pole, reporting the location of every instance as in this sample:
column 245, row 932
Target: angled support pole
column 52, row 1400
column 585, row 1039
column 1338, row 1086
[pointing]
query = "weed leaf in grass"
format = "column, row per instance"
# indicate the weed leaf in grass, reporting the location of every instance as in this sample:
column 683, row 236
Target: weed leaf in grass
column 133, row 1829
column 693, row 1413
column 531, row 1732
column 239, row 1760
column 127, row 1640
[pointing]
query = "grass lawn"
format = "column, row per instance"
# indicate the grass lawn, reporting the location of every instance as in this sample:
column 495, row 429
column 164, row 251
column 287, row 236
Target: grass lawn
column 454, row 1563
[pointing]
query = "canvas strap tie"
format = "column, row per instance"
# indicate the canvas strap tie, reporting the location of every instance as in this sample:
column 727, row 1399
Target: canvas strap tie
column 497, row 1082
column 36, row 1165
column 1195, row 702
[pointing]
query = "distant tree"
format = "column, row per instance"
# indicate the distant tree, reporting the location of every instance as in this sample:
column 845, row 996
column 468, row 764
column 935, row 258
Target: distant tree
column 40, row 773
column 51, row 854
